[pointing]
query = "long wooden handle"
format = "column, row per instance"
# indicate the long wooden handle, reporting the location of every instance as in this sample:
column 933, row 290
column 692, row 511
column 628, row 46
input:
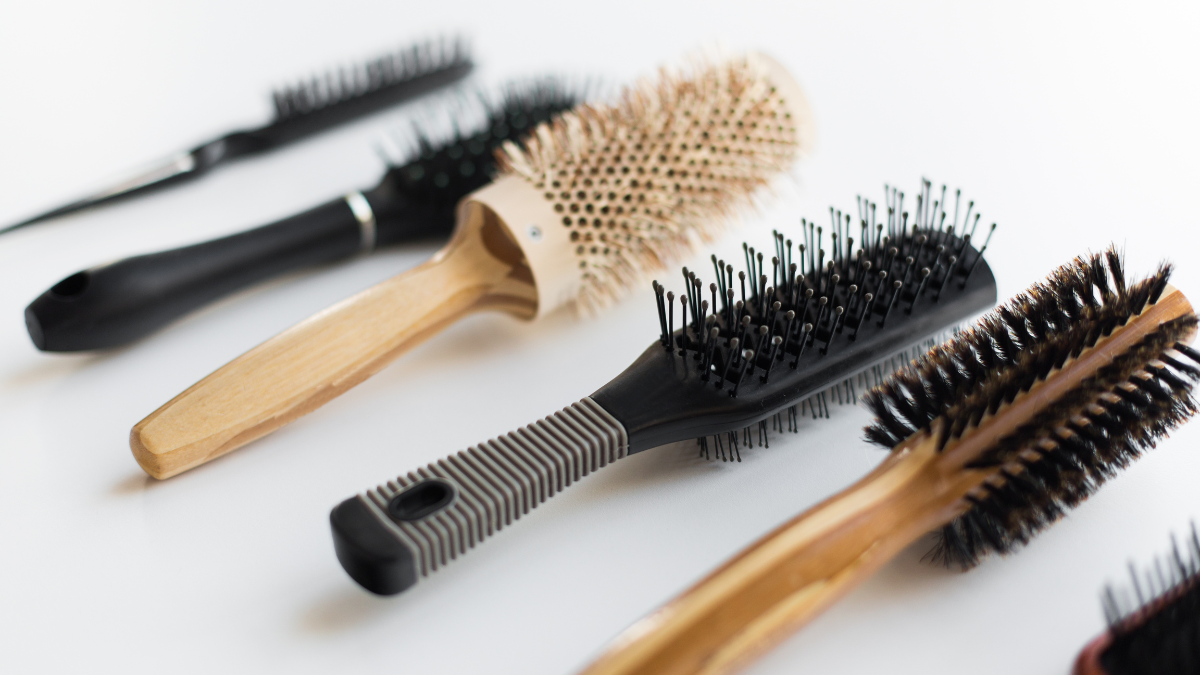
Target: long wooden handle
column 787, row 577
column 316, row 360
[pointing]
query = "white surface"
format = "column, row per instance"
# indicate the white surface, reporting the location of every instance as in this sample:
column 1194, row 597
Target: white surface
column 1071, row 126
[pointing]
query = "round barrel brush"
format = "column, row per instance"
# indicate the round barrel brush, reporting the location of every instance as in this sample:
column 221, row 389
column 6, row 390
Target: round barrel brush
column 576, row 215
column 994, row 435
column 735, row 359
column 1154, row 626
column 116, row 303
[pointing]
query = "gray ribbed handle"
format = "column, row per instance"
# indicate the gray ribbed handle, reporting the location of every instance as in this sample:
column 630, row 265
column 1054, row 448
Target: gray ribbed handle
column 444, row 509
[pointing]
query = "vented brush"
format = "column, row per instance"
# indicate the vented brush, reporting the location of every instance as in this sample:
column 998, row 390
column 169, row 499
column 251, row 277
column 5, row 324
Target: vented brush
column 770, row 344
column 116, row 303
column 588, row 204
column 994, row 435
column 300, row 110
column 1154, row 626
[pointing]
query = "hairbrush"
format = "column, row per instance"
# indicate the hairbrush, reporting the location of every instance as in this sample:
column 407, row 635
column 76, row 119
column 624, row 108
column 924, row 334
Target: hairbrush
column 772, row 342
column 1153, row 628
column 576, row 215
column 993, row 435
column 116, row 303
column 301, row 110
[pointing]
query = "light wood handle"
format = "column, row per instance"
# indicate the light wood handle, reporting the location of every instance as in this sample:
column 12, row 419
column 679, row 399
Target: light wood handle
column 787, row 577
column 316, row 360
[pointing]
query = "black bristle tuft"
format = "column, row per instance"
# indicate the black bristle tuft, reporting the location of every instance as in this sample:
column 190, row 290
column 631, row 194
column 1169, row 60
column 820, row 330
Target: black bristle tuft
column 370, row 79
column 441, row 168
column 1154, row 627
column 1073, row 445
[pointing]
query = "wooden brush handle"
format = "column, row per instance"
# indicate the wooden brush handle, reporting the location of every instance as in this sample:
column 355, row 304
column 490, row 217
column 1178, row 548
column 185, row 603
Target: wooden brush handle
column 787, row 577
column 316, row 360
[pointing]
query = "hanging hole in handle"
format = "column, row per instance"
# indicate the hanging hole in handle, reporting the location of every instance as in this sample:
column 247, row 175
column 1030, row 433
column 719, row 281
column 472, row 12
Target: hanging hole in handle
column 421, row 500
column 72, row 286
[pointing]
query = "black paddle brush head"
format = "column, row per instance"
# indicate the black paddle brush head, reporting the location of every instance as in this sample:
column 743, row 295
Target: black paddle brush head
column 1154, row 625
column 799, row 320
column 1075, row 443
column 424, row 188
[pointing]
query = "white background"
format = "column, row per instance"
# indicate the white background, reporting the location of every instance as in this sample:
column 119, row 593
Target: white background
column 1070, row 125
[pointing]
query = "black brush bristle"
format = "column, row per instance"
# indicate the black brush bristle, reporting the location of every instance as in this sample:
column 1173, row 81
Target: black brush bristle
column 445, row 168
column 429, row 175
column 372, row 78
column 1154, row 626
column 813, row 320
column 1073, row 445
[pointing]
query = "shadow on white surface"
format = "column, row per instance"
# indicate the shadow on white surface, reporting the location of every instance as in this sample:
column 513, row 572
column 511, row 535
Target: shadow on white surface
column 342, row 609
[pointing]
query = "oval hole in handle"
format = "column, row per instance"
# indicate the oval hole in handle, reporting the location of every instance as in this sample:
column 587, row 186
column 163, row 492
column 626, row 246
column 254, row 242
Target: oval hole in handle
column 421, row 500
column 72, row 286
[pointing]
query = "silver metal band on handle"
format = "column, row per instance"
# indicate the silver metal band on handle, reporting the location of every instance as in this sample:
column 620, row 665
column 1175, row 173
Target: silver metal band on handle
column 497, row 482
column 362, row 211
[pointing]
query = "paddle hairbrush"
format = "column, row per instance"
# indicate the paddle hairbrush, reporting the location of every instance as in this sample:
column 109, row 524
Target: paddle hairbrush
column 994, row 435
column 300, row 110
column 1154, row 627
column 779, row 337
column 116, row 303
column 575, row 216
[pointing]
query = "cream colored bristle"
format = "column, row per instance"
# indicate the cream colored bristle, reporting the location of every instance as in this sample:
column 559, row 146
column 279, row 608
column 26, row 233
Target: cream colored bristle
column 636, row 182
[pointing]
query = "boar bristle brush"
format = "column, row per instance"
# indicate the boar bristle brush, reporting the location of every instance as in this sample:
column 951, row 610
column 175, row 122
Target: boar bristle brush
column 115, row 303
column 1153, row 626
column 731, row 356
column 993, row 436
column 590, row 203
column 310, row 106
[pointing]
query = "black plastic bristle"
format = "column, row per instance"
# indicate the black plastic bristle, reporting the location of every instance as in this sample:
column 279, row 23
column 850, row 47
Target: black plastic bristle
column 1075, row 443
column 798, row 339
column 428, row 177
column 1154, row 626
column 442, row 168
column 374, row 78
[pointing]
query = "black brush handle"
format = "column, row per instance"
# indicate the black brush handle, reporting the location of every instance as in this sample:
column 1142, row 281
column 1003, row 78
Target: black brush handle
column 114, row 304
column 389, row 537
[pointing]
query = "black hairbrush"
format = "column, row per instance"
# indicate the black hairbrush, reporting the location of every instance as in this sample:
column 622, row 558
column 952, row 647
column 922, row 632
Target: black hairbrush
column 301, row 110
column 993, row 436
column 113, row 304
column 784, row 334
column 1154, row 627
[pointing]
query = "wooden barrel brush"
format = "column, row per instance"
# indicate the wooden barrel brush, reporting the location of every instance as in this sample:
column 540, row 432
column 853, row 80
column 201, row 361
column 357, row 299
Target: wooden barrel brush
column 575, row 216
column 994, row 435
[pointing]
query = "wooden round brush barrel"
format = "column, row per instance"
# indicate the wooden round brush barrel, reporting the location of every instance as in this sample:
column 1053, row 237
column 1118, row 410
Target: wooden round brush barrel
column 527, row 244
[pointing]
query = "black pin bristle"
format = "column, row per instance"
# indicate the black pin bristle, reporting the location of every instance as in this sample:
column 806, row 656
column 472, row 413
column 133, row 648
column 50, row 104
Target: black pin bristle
column 425, row 182
column 793, row 343
column 372, row 79
column 1073, row 445
column 1154, row 626
column 444, row 170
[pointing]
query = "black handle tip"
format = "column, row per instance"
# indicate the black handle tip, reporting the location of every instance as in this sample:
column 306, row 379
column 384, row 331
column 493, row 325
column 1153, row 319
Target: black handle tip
column 43, row 315
column 34, row 326
column 371, row 555
column 58, row 320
